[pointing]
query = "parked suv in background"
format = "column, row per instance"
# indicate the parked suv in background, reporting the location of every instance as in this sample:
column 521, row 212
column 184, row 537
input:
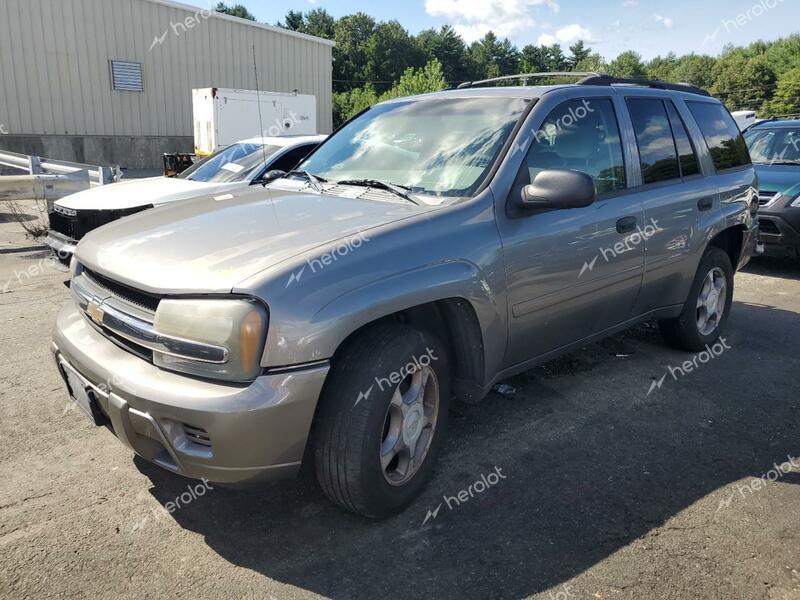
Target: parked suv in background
column 775, row 148
column 432, row 246
column 238, row 165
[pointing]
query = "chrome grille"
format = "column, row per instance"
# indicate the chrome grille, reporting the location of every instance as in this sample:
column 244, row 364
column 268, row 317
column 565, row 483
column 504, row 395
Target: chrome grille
column 127, row 294
column 765, row 198
column 123, row 315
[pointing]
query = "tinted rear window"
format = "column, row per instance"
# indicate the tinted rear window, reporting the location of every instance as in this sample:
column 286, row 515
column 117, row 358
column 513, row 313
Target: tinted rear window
column 724, row 140
column 657, row 153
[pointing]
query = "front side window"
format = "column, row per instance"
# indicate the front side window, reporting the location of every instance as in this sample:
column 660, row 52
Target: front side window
column 725, row 142
column 774, row 146
column 657, row 154
column 435, row 146
column 234, row 163
column 580, row 135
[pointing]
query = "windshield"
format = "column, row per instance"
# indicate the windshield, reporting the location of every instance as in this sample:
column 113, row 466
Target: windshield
column 774, row 145
column 440, row 146
column 237, row 162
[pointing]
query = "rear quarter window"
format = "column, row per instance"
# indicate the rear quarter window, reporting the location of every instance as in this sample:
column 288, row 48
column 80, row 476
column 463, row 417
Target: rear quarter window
column 723, row 138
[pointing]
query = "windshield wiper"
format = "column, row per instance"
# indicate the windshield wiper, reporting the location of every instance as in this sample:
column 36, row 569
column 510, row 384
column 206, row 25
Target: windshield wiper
column 782, row 162
column 398, row 190
column 312, row 179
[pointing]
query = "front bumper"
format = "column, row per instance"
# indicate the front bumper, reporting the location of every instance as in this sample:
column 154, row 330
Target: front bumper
column 780, row 238
column 63, row 247
column 222, row 432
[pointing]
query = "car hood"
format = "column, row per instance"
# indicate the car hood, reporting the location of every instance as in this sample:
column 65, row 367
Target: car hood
column 141, row 192
column 214, row 242
column 778, row 178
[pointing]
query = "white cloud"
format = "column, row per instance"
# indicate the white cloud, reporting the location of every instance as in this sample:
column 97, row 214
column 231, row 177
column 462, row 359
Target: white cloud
column 472, row 19
column 630, row 3
column 667, row 22
column 566, row 35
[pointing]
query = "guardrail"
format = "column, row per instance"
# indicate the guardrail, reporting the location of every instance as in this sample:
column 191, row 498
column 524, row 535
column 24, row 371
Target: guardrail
column 36, row 165
column 48, row 178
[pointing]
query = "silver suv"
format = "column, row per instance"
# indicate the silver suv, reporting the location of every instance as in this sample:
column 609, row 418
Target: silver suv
column 431, row 247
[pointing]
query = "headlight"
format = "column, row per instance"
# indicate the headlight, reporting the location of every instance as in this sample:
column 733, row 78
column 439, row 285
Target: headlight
column 221, row 339
column 796, row 202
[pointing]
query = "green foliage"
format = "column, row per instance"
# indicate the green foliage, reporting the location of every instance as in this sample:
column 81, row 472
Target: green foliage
column 695, row 69
column 593, row 62
column 628, row 64
column 492, row 58
column 429, row 78
column 662, row 68
column 449, row 49
column 534, row 59
column 237, row 10
column 556, row 61
column 784, row 54
column 352, row 35
column 743, row 82
column 786, row 100
column 349, row 104
column 390, row 51
column 294, row 21
column 580, row 52
column 418, row 81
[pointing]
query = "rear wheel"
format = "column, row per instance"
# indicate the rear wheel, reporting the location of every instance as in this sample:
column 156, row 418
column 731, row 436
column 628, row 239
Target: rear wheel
column 382, row 417
column 706, row 310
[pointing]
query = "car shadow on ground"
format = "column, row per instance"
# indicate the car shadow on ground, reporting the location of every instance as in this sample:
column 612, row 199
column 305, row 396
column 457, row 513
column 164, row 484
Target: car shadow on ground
column 20, row 217
column 774, row 267
column 583, row 478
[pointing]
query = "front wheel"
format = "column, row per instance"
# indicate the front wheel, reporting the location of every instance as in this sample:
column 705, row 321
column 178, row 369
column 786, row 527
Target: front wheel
column 707, row 309
column 381, row 420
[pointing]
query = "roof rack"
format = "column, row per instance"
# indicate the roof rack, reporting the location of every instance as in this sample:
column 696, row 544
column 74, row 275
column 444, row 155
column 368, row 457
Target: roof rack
column 609, row 80
column 526, row 76
column 594, row 78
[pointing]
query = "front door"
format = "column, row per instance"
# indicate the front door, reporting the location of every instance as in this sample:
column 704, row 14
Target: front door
column 575, row 272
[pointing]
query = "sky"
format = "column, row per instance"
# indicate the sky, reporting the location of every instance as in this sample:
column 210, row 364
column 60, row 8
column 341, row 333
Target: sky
column 650, row 27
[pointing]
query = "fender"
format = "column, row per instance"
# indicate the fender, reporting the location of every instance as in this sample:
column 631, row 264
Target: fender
column 347, row 313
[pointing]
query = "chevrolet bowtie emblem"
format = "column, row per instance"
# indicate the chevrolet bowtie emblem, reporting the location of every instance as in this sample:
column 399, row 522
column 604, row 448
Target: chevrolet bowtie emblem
column 95, row 313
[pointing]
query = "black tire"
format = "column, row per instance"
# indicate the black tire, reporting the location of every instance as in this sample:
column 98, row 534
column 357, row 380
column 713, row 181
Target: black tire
column 683, row 332
column 353, row 411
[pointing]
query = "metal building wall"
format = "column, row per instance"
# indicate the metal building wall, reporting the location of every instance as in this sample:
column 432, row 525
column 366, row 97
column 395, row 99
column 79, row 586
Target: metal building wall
column 55, row 77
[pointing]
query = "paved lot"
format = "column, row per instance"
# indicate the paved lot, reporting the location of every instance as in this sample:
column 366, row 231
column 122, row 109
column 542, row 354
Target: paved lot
column 606, row 492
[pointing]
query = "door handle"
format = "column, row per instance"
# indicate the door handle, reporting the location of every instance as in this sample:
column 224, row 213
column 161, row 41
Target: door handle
column 626, row 224
column 705, row 203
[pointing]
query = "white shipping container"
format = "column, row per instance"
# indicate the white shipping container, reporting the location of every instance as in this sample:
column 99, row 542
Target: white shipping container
column 225, row 116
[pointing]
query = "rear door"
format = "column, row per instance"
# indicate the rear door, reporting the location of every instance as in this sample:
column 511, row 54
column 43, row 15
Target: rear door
column 735, row 178
column 673, row 188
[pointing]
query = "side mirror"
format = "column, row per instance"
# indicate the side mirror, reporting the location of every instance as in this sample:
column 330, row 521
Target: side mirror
column 272, row 176
column 557, row 189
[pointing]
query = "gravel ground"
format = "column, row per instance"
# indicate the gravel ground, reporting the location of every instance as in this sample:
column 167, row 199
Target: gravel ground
column 601, row 489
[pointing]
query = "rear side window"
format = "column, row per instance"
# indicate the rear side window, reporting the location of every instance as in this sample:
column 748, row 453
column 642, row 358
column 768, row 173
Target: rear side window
column 686, row 153
column 581, row 135
column 657, row 153
column 725, row 142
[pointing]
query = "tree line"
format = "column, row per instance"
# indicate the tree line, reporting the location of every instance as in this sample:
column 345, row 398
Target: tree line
column 374, row 60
